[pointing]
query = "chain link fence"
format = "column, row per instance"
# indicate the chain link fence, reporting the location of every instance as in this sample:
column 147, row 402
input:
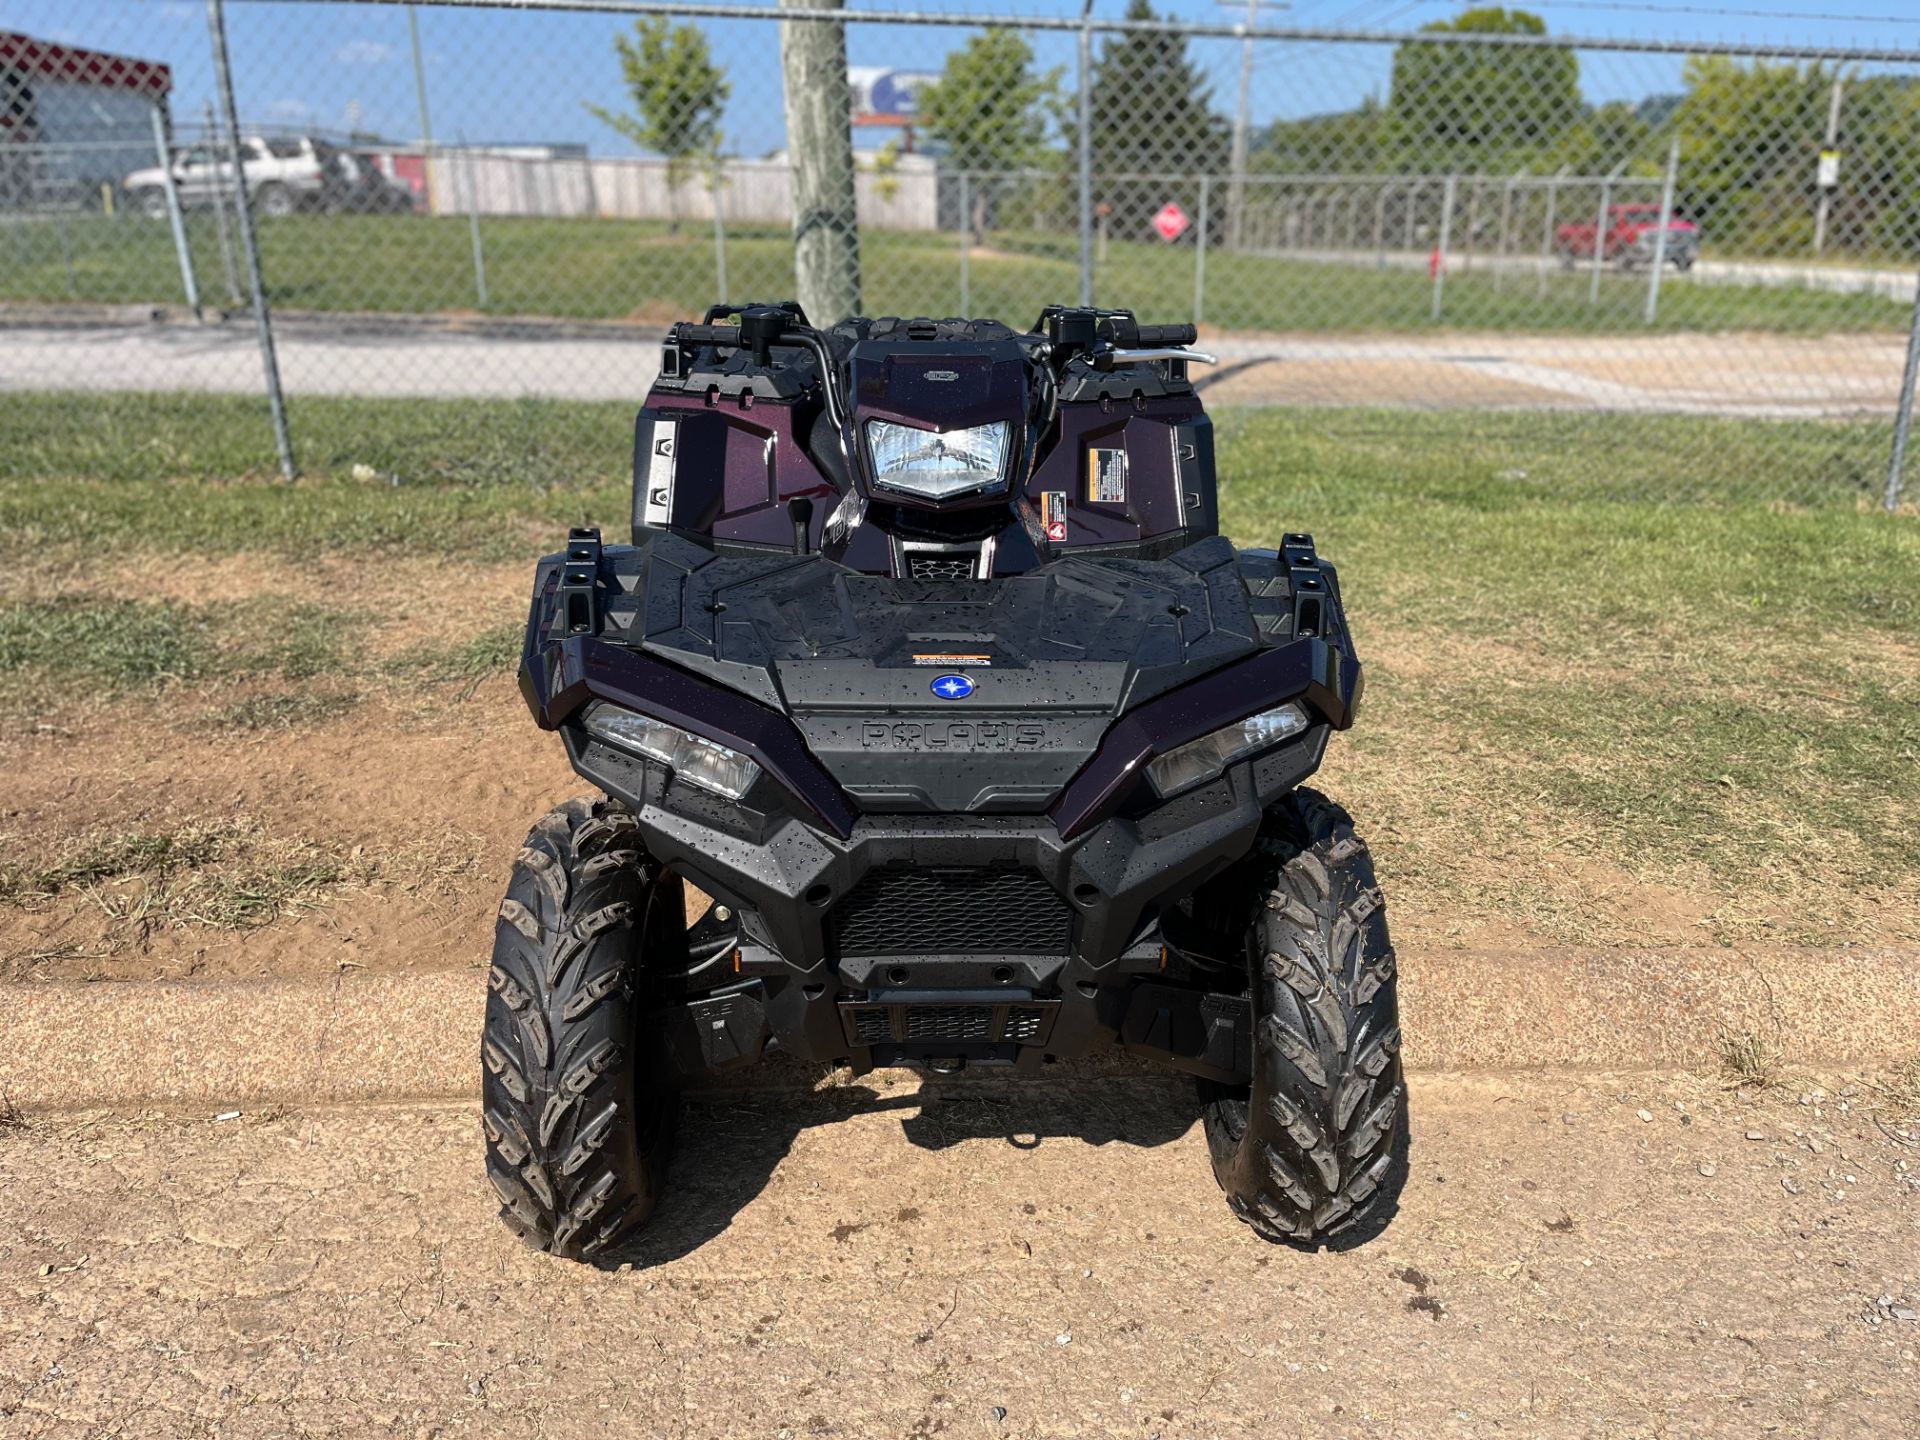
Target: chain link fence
column 1673, row 240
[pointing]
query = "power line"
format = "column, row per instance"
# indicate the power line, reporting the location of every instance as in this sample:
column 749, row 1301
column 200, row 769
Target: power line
column 1644, row 7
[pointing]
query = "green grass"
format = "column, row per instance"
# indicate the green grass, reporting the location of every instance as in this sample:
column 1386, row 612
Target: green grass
column 194, row 473
column 1569, row 690
column 1718, row 701
column 493, row 481
column 130, row 644
column 616, row 269
column 465, row 662
column 287, row 710
column 225, row 875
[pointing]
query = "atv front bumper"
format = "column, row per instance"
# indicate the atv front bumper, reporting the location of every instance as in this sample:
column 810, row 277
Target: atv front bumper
column 946, row 940
column 941, row 938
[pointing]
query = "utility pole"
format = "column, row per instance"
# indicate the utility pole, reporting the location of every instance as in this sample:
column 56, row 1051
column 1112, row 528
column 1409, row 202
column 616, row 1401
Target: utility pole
column 1237, row 180
column 1085, row 143
column 420, row 93
column 1831, row 147
column 826, row 229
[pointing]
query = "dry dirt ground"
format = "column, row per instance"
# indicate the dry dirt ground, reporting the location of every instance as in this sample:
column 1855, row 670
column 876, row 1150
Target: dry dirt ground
column 373, row 826
column 876, row 1258
column 1572, row 1255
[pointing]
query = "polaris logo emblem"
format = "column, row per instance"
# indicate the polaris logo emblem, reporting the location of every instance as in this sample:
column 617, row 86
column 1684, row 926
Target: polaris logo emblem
column 952, row 687
column 955, row 736
column 943, row 375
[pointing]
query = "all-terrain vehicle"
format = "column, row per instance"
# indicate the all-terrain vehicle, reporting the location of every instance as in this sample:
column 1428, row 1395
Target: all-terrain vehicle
column 928, row 665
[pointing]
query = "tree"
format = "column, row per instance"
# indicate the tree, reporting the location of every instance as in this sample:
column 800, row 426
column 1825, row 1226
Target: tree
column 1613, row 137
column 1483, row 109
column 991, row 112
column 1352, row 142
column 1749, row 135
column 1153, row 122
column 679, row 95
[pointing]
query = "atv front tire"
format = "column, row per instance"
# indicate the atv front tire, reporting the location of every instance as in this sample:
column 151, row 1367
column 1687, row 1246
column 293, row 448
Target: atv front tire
column 1310, row 1149
column 577, row 1100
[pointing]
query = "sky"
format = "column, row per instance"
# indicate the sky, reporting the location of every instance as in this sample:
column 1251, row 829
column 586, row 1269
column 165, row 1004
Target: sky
column 496, row 75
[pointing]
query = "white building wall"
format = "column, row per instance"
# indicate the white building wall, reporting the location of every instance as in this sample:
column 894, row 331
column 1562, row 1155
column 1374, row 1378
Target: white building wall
column 749, row 192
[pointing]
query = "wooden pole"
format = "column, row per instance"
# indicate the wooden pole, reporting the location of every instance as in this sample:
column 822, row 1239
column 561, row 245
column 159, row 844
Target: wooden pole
column 826, row 230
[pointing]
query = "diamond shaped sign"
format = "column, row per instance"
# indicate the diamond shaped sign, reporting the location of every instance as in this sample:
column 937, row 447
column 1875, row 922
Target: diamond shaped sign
column 1171, row 221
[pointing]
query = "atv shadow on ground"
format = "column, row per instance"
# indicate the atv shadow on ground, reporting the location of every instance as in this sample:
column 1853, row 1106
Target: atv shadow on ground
column 730, row 1142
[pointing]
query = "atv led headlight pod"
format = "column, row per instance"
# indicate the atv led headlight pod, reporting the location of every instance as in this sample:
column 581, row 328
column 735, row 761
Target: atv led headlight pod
column 935, row 464
column 695, row 759
column 1187, row 765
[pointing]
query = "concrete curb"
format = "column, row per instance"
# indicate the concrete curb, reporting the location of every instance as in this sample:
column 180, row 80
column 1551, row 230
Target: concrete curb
column 366, row 1036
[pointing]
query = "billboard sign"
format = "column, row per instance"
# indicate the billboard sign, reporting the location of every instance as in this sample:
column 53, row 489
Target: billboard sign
column 880, row 90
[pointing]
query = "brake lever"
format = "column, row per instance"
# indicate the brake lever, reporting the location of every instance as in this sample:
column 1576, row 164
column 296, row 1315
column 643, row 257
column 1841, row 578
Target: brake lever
column 1108, row 359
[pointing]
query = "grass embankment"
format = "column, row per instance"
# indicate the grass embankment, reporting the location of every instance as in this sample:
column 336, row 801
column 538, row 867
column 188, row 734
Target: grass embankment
column 1588, row 719
column 619, row 269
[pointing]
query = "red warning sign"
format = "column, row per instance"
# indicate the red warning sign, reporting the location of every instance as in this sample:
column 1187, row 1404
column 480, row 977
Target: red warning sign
column 1171, row 221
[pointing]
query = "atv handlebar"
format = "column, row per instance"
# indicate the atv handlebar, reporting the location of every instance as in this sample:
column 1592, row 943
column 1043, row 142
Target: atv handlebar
column 1154, row 335
column 1107, row 340
column 689, row 334
column 761, row 328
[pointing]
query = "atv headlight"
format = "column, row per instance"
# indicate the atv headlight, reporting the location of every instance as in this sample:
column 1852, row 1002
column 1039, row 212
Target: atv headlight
column 1202, row 759
column 694, row 758
column 935, row 464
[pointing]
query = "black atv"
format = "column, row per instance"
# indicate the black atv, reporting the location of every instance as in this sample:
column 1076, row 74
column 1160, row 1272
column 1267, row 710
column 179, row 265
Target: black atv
column 929, row 665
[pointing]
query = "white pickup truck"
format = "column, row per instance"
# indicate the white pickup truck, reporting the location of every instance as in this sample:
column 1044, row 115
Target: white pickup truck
column 283, row 174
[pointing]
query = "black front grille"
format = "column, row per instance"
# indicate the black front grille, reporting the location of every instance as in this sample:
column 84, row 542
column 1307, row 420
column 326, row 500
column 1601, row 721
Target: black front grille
column 942, row 567
column 1024, row 1022
column 952, row 912
column 949, row 1022
column 909, row 1025
column 872, row 1026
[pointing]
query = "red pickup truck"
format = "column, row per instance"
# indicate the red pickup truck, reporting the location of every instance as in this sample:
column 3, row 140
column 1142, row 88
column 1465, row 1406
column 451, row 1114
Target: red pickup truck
column 1632, row 233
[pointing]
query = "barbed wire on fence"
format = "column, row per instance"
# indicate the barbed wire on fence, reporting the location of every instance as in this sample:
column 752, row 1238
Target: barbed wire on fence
column 1480, row 216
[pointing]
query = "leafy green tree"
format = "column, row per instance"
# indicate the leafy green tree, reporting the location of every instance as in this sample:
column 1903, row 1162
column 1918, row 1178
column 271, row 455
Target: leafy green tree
column 1154, row 123
column 1353, row 142
column 679, row 95
column 1750, row 136
column 1606, row 138
column 991, row 112
column 1873, row 207
column 1481, row 108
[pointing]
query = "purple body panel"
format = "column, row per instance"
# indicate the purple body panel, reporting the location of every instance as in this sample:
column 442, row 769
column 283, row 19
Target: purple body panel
column 743, row 460
column 558, row 679
column 740, row 462
column 1309, row 669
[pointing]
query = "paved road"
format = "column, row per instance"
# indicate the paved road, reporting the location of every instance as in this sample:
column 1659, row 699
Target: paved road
column 1739, row 374
column 974, row 1261
column 1888, row 284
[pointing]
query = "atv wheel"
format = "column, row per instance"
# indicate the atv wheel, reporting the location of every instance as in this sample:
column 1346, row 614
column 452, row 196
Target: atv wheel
column 577, row 1099
column 1312, row 1146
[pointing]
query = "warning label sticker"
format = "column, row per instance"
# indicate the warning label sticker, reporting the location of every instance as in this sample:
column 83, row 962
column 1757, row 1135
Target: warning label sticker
column 1053, row 513
column 1107, row 477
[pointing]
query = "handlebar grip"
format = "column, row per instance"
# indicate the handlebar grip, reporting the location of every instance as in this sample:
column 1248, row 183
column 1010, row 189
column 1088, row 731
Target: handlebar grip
column 707, row 334
column 1168, row 335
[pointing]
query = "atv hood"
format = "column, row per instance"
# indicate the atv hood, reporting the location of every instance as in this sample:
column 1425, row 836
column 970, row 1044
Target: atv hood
column 865, row 665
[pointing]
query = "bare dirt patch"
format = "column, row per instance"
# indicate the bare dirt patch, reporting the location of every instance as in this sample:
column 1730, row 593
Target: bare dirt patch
column 421, row 810
column 417, row 771
column 892, row 1259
